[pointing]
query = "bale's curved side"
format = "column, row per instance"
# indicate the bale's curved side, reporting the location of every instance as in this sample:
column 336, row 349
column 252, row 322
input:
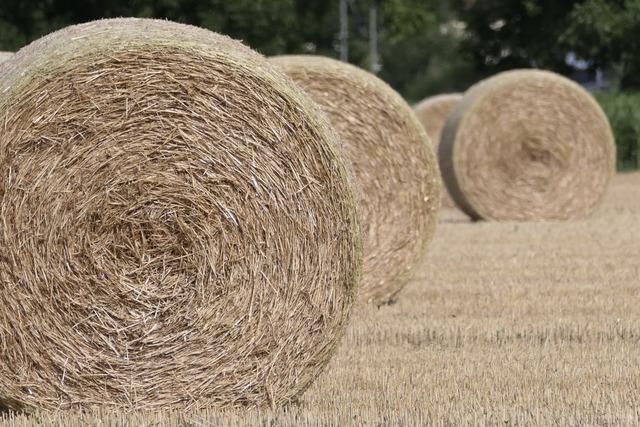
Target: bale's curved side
column 179, row 230
column 4, row 59
column 527, row 144
column 432, row 113
column 393, row 164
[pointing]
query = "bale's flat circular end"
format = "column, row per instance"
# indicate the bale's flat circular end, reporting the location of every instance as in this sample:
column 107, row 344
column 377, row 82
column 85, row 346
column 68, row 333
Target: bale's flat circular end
column 393, row 164
column 432, row 113
column 178, row 228
column 527, row 145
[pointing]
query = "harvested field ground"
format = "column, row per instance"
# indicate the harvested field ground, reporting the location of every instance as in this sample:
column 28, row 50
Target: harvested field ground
column 506, row 323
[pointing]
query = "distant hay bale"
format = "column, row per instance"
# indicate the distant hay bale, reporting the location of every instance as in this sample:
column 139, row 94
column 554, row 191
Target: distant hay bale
column 393, row 163
column 527, row 145
column 178, row 229
column 432, row 113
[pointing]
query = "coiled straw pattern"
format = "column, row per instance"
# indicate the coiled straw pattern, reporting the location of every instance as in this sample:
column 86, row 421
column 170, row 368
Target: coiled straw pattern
column 178, row 229
column 393, row 164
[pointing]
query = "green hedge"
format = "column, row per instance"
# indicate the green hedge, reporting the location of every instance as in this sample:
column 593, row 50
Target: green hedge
column 623, row 110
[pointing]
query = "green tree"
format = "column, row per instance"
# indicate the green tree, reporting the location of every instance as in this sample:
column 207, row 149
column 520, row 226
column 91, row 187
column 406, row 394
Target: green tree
column 606, row 33
column 424, row 58
column 505, row 34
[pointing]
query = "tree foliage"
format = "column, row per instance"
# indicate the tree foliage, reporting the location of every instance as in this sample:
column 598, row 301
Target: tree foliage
column 505, row 34
column 606, row 32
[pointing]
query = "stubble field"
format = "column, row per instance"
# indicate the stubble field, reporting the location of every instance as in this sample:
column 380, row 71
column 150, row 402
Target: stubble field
column 505, row 323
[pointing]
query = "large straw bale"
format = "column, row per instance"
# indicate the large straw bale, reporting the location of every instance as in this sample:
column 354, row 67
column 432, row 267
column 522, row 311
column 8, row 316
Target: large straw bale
column 432, row 113
column 393, row 164
column 178, row 229
column 527, row 145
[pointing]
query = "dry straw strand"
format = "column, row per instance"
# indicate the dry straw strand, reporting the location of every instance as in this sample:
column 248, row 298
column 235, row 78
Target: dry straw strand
column 527, row 145
column 178, row 228
column 432, row 113
column 393, row 164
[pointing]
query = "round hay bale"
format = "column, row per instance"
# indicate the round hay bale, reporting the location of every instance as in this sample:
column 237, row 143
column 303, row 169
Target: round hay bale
column 527, row 145
column 432, row 113
column 178, row 228
column 393, row 164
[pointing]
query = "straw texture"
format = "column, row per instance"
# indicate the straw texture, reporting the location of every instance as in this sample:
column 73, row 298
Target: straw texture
column 5, row 55
column 527, row 145
column 393, row 163
column 178, row 229
column 432, row 113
